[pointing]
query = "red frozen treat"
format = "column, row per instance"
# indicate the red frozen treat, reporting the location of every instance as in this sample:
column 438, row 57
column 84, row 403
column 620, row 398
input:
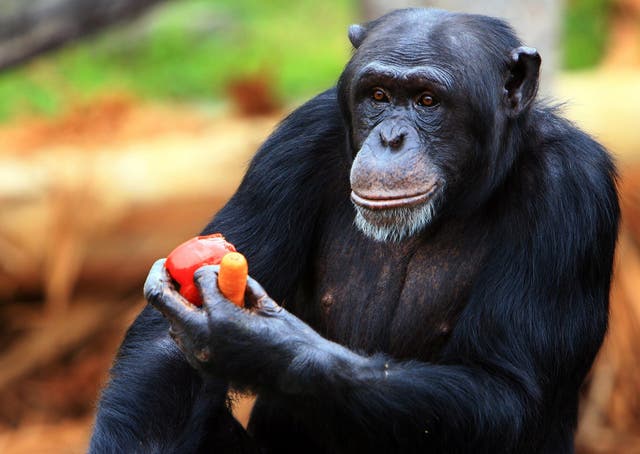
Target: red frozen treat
column 191, row 255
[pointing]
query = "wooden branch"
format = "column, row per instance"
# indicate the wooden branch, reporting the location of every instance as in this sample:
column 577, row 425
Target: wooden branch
column 28, row 29
column 59, row 334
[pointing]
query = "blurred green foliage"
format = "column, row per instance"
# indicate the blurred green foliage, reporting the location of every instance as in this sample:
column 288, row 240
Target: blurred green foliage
column 191, row 49
column 585, row 33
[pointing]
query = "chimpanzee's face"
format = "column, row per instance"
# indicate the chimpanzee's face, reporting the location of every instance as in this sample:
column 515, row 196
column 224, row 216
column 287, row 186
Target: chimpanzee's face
column 407, row 133
column 396, row 180
column 426, row 100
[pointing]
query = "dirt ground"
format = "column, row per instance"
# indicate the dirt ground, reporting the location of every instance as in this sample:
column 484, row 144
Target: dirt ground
column 88, row 201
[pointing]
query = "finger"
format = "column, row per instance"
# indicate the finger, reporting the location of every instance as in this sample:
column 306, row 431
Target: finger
column 159, row 291
column 206, row 279
column 258, row 297
column 254, row 291
column 155, row 279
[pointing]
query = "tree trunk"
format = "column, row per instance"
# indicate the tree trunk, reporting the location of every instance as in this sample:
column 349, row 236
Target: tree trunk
column 29, row 28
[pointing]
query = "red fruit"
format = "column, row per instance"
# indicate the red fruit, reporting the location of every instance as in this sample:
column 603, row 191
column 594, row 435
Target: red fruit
column 191, row 255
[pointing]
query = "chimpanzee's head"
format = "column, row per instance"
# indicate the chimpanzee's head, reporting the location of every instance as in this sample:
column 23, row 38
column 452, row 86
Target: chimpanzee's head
column 431, row 99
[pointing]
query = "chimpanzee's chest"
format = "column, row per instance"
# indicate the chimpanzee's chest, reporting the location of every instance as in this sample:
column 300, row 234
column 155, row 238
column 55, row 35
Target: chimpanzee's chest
column 402, row 298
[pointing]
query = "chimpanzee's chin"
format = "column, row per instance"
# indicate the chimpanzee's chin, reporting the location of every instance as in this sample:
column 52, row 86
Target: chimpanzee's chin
column 393, row 224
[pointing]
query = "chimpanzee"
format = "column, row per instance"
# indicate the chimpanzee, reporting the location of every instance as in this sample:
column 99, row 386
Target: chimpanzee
column 445, row 242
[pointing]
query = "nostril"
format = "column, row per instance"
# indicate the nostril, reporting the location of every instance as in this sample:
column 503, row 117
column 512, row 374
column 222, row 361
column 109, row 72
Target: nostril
column 396, row 142
column 383, row 139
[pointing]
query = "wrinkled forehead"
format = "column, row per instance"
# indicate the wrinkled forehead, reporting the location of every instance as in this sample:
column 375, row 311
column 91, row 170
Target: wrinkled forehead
column 416, row 38
column 444, row 44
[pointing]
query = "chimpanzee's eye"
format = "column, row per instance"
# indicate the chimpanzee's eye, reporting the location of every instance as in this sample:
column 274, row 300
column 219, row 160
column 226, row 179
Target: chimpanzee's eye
column 379, row 95
column 427, row 100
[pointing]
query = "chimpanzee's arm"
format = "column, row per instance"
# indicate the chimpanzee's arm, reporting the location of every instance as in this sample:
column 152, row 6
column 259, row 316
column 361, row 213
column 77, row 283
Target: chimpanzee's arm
column 510, row 371
column 155, row 402
column 501, row 371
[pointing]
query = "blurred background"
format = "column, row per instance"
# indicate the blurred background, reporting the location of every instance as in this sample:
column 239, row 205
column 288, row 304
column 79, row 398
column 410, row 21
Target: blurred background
column 125, row 124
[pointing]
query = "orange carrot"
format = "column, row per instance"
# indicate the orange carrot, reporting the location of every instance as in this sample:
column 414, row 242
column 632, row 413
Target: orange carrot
column 232, row 278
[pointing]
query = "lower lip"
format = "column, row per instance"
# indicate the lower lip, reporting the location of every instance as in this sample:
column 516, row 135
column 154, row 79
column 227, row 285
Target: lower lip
column 400, row 202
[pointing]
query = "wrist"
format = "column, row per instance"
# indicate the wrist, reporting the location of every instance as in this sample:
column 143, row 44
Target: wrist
column 328, row 367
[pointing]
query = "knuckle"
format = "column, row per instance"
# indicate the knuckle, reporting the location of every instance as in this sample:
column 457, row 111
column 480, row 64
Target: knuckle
column 177, row 338
column 221, row 323
column 151, row 292
column 199, row 275
column 202, row 354
column 216, row 317
column 206, row 271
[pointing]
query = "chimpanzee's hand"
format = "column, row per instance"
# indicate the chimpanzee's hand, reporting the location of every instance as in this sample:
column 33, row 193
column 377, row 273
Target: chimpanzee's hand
column 250, row 347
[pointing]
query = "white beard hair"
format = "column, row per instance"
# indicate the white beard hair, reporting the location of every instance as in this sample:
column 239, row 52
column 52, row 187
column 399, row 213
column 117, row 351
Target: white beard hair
column 394, row 224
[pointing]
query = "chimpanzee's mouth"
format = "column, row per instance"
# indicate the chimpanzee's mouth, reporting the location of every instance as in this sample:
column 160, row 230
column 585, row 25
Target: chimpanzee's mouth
column 384, row 202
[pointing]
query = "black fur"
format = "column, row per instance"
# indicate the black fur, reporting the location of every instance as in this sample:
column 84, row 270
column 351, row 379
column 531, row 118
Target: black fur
column 516, row 268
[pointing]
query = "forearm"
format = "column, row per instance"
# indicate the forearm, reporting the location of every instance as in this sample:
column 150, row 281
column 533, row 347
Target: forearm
column 407, row 405
column 367, row 400
column 158, row 419
column 154, row 398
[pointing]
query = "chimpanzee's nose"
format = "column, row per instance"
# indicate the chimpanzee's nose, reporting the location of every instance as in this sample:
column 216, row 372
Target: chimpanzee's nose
column 392, row 139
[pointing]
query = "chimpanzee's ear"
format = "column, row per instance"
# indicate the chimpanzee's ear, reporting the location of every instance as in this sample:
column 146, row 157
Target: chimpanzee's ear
column 357, row 33
column 522, row 82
